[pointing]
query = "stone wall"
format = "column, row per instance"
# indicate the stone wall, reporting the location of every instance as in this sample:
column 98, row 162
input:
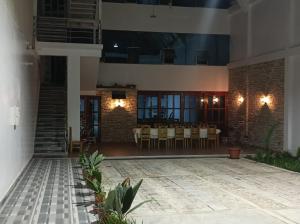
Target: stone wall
column 117, row 122
column 250, row 121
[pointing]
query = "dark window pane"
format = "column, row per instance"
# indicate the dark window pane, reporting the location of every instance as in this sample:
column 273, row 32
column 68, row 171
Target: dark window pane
column 170, row 114
column 141, row 101
column 216, row 115
column 147, row 114
column 186, row 115
column 96, row 105
column 154, row 102
column 194, row 116
column 177, row 114
column 170, row 101
column 163, row 101
column 186, row 101
column 140, row 114
column 193, row 102
column 148, row 102
column 81, row 105
column 177, row 101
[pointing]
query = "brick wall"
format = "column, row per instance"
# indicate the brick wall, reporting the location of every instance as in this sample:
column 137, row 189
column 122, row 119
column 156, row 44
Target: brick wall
column 250, row 121
column 117, row 122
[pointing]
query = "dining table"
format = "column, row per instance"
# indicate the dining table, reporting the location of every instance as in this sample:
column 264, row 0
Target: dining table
column 171, row 133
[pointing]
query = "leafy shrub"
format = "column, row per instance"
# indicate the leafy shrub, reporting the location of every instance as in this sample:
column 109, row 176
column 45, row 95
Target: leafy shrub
column 113, row 218
column 120, row 199
column 280, row 159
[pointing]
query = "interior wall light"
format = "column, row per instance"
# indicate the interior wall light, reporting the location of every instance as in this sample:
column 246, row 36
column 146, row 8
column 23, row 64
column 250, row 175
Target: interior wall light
column 116, row 45
column 265, row 100
column 240, row 99
column 119, row 103
column 215, row 99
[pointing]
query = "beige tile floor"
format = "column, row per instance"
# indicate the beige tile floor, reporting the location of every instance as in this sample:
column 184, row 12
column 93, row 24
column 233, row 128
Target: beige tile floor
column 209, row 191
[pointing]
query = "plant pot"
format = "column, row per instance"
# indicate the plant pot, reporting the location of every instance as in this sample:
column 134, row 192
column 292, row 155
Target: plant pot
column 234, row 153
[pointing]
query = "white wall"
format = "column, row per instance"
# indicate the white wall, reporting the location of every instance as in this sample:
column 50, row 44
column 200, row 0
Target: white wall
column 89, row 69
column 165, row 77
column 19, row 86
column 136, row 17
column 268, row 26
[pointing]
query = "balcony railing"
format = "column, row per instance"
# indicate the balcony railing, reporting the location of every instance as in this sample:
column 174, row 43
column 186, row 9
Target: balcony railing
column 67, row 30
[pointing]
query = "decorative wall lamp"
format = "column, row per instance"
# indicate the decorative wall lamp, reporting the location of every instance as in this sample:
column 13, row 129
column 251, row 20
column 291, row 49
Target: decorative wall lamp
column 215, row 100
column 265, row 100
column 119, row 97
column 119, row 103
column 240, row 100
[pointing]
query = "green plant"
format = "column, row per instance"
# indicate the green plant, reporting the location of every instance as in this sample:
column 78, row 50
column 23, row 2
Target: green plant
column 113, row 218
column 268, row 137
column 94, row 182
column 120, row 199
column 90, row 164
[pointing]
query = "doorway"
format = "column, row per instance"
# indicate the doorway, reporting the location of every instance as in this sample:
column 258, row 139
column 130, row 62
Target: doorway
column 90, row 117
column 54, row 70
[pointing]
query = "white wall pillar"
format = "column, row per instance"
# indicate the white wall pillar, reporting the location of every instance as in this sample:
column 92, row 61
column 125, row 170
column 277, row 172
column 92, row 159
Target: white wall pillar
column 74, row 95
column 292, row 104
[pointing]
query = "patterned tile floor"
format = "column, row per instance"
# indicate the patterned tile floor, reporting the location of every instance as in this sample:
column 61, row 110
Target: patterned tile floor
column 49, row 191
column 183, row 191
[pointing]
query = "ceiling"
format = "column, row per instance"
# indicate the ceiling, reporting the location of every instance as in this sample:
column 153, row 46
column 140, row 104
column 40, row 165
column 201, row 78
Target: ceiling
column 220, row 4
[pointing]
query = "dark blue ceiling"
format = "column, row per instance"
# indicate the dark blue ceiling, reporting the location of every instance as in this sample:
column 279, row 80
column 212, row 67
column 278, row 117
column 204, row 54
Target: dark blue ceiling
column 219, row 4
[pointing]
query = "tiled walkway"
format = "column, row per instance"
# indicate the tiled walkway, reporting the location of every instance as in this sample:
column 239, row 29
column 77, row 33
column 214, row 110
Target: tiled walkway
column 49, row 191
column 183, row 191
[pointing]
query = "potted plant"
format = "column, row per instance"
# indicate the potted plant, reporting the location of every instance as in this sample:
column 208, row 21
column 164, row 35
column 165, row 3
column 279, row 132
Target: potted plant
column 118, row 203
column 94, row 182
column 234, row 152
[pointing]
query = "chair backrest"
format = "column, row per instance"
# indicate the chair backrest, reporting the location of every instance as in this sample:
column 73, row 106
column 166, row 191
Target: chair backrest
column 162, row 132
column 145, row 133
column 179, row 132
column 211, row 133
column 194, row 132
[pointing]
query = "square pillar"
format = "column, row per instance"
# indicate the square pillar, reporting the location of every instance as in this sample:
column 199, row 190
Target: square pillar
column 73, row 93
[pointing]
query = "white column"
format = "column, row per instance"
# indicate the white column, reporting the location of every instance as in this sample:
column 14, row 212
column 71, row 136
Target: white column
column 74, row 95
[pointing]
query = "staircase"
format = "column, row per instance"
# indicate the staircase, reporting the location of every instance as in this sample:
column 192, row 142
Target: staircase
column 50, row 137
column 83, row 9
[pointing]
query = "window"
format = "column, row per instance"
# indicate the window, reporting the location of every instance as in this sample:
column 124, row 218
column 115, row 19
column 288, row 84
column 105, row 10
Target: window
column 148, row 108
column 216, row 110
column 182, row 107
column 89, row 116
column 170, row 108
column 168, row 56
column 191, row 112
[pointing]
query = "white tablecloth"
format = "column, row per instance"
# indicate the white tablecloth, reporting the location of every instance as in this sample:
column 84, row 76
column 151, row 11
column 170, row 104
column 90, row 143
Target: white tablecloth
column 171, row 133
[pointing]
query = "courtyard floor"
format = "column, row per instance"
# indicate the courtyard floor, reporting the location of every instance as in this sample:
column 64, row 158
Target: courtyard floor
column 183, row 191
column 216, row 190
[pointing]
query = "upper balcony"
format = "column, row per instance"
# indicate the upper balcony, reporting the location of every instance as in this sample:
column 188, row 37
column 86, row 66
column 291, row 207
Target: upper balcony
column 68, row 21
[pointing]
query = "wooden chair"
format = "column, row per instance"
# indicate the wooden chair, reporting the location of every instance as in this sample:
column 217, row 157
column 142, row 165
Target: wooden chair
column 77, row 145
column 163, row 136
column 179, row 136
column 145, row 136
column 195, row 136
column 212, row 136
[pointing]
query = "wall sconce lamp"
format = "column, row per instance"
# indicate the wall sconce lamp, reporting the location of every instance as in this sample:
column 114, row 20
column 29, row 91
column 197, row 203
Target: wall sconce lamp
column 215, row 99
column 15, row 115
column 240, row 100
column 265, row 100
column 119, row 103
